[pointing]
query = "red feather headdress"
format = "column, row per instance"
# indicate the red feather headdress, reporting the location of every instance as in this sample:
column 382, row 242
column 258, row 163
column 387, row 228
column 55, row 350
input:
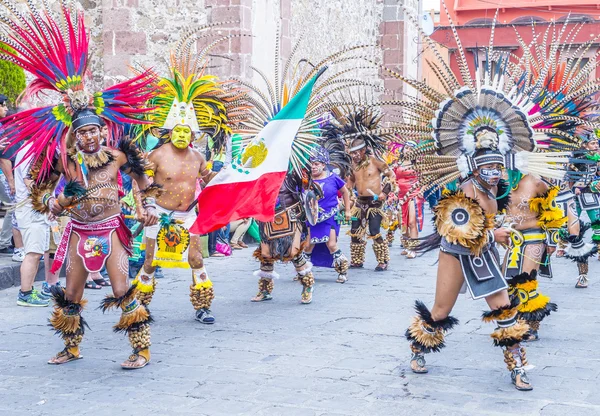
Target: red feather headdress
column 54, row 49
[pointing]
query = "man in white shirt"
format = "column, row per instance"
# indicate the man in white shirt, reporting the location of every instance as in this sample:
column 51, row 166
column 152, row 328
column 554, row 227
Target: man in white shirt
column 35, row 230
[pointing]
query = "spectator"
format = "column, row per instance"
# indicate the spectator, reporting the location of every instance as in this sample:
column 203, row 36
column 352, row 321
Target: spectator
column 10, row 230
column 36, row 236
column 239, row 228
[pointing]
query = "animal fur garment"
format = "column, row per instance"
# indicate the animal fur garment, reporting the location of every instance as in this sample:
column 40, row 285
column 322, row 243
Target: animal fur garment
column 66, row 317
column 427, row 333
column 134, row 312
column 461, row 220
column 502, row 313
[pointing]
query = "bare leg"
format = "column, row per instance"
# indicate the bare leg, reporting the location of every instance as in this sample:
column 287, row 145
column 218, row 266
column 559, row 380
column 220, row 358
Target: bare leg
column 449, row 282
column 413, row 230
column 18, row 238
column 73, row 294
column 29, row 269
column 427, row 329
column 117, row 266
column 201, row 291
column 51, row 278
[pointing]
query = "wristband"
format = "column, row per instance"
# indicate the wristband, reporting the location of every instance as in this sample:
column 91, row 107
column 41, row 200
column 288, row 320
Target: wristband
column 46, row 199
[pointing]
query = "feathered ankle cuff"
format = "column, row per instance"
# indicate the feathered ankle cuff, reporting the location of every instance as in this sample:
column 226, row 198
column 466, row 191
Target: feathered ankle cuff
column 66, row 318
column 427, row 334
column 134, row 313
column 509, row 331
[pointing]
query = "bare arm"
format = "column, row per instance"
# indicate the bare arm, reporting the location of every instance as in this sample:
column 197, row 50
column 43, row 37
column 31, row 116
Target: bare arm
column 204, row 173
column 6, row 167
column 347, row 203
column 147, row 214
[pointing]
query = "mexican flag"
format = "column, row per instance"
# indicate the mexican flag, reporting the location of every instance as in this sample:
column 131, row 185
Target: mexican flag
column 249, row 185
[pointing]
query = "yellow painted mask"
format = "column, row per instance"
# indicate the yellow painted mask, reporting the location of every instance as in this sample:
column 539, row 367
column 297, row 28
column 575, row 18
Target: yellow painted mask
column 181, row 136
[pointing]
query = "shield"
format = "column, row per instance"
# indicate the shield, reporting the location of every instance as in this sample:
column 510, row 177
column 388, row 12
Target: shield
column 311, row 207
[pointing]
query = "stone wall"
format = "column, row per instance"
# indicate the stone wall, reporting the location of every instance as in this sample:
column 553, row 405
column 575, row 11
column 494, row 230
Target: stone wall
column 128, row 33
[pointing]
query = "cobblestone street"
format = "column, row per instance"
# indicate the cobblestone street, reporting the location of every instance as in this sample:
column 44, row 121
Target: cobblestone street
column 345, row 354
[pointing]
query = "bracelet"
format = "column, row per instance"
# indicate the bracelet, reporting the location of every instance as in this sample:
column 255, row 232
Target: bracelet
column 149, row 202
column 46, row 199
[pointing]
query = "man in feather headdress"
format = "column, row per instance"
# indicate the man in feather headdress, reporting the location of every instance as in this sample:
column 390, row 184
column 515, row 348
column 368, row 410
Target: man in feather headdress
column 372, row 191
column 65, row 139
column 189, row 104
column 586, row 189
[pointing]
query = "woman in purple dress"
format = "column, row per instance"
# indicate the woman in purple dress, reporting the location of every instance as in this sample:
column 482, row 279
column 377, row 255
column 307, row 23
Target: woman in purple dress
column 322, row 236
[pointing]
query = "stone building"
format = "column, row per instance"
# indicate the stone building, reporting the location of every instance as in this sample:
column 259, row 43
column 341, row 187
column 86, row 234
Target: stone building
column 141, row 32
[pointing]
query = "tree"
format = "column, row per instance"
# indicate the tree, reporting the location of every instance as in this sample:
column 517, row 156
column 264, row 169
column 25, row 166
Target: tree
column 12, row 78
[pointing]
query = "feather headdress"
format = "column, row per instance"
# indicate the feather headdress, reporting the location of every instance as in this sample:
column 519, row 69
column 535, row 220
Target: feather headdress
column 54, row 50
column 190, row 96
column 357, row 126
column 291, row 75
column 522, row 107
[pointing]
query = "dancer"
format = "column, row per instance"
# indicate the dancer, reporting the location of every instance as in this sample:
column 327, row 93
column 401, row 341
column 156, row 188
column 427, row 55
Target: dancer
column 586, row 189
column 96, row 235
column 412, row 203
column 372, row 191
column 281, row 238
column 190, row 104
column 323, row 246
column 474, row 124
column 534, row 219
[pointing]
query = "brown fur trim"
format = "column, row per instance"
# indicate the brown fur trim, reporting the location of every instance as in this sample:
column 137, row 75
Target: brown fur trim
column 38, row 191
column 96, row 161
column 128, row 320
column 110, row 302
column 153, row 191
column 66, row 317
column 427, row 334
column 502, row 313
column 506, row 337
column 471, row 233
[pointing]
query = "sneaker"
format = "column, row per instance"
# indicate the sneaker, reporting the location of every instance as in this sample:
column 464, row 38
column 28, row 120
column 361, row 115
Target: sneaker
column 18, row 255
column 158, row 273
column 205, row 316
column 31, row 299
column 40, row 294
column 46, row 289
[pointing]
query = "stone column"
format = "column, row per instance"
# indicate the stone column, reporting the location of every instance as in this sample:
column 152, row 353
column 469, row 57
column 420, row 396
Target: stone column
column 238, row 50
column 391, row 31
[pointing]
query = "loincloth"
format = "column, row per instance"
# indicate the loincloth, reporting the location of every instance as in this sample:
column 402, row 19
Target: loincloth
column 482, row 273
column 367, row 208
column 173, row 238
column 279, row 234
column 94, row 246
column 528, row 243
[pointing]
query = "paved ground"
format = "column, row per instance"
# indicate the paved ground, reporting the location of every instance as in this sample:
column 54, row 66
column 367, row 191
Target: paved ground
column 342, row 355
